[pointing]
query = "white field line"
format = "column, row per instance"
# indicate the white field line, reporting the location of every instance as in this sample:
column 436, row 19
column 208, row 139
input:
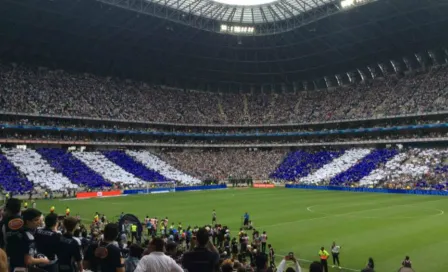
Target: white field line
column 441, row 212
column 281, row 255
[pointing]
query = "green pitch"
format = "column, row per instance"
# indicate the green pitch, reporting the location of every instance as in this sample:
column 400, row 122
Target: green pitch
column 383, row 226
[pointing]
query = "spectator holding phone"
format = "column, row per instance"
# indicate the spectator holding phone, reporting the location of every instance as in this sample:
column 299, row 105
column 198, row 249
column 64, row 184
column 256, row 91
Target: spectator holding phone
column 289, row 257
column 204, row 257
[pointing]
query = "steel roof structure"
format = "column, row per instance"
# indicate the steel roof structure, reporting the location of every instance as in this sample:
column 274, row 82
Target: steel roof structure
column 266, row 13
column 278, row 16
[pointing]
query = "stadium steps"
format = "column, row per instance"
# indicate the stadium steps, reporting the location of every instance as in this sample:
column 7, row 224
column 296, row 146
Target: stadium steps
column 37, row 169
column 134, row 167
column 151, row 161
column 72, row 168
column 364, row 167
column 338, row 165
column 11, row 180
column 110, row 171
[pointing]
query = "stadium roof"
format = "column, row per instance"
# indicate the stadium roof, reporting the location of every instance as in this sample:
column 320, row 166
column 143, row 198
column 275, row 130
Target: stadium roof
column 237, row 19
column 91, row 36
column 246, row 11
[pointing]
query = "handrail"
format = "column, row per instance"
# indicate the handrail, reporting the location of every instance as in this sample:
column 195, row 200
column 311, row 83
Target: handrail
column 127, row 144
column 223, row 125
column 224, row 135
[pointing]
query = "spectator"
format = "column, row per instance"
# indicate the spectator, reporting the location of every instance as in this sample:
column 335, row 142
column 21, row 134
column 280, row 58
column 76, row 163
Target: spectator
column 105, row 255
column 315, row 267
column 370, row 266
column 204, row 257
column 282, row 265
column 70, row 248
column 261, row 261
column 3, row 261
column 407, row 262
column 47, row 241
column 157, row 261
column 135, row 253
column 25, row 253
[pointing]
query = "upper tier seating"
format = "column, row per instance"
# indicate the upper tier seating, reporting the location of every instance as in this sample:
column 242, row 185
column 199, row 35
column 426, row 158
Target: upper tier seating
column 23, row 89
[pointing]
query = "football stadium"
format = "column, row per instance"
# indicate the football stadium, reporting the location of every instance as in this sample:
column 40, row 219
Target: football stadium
column 223, row 135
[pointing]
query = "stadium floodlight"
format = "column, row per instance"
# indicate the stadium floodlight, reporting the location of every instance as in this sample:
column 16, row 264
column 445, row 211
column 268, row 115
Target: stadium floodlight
column 351, row 3
column 237, row 29
column 245, row 2
column 347, row 3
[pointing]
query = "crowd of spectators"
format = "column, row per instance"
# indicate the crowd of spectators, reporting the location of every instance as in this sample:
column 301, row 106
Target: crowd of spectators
column 63, row 243
column 225, row 163
column 38, row 90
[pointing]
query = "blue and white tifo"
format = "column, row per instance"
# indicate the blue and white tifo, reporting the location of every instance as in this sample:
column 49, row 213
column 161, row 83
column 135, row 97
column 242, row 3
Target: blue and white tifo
column 54, row 169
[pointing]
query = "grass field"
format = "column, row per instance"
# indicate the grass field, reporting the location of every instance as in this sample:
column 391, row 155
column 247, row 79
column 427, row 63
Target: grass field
column 384, row 226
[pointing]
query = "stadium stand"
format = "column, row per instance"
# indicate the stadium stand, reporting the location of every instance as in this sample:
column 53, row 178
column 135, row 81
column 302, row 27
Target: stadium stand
column 337, row 166
column 363, row 167
column 153, row 162
column 133, row 166
column 110, row 171
column 93, row 96
column 73, row 168
column 300, row 164
column 225, row 163
column 37, row 170
column 11, row 180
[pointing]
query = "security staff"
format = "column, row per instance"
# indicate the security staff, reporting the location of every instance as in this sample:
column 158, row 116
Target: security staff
column 67, row 211
column 11, row 225
column 335, row 249
column 133, row 232
column 323, row 255
column 24, row 253
column 69, row 255
column 25, row 205
column 47, row 241
column 52, row 209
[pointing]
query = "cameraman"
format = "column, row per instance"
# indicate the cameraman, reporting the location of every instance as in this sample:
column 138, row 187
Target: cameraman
column 289, row 257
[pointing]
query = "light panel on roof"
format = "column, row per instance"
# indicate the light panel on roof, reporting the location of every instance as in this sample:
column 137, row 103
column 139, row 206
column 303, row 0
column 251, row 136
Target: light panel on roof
column 245, row 2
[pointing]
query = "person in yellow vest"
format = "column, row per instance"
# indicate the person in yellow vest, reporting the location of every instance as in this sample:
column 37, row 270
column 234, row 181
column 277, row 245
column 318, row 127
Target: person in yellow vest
column 133, row 232
column 96, row 218
column 7, row 196
column 323, row 255
column 67, row 212
column 179, row 227
column 52, row 209
column 25, row 205
column 46, row 195
column 162, row 228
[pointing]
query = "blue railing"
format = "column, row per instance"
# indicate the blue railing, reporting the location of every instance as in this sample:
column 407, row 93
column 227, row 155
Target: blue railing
column 226, row 135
